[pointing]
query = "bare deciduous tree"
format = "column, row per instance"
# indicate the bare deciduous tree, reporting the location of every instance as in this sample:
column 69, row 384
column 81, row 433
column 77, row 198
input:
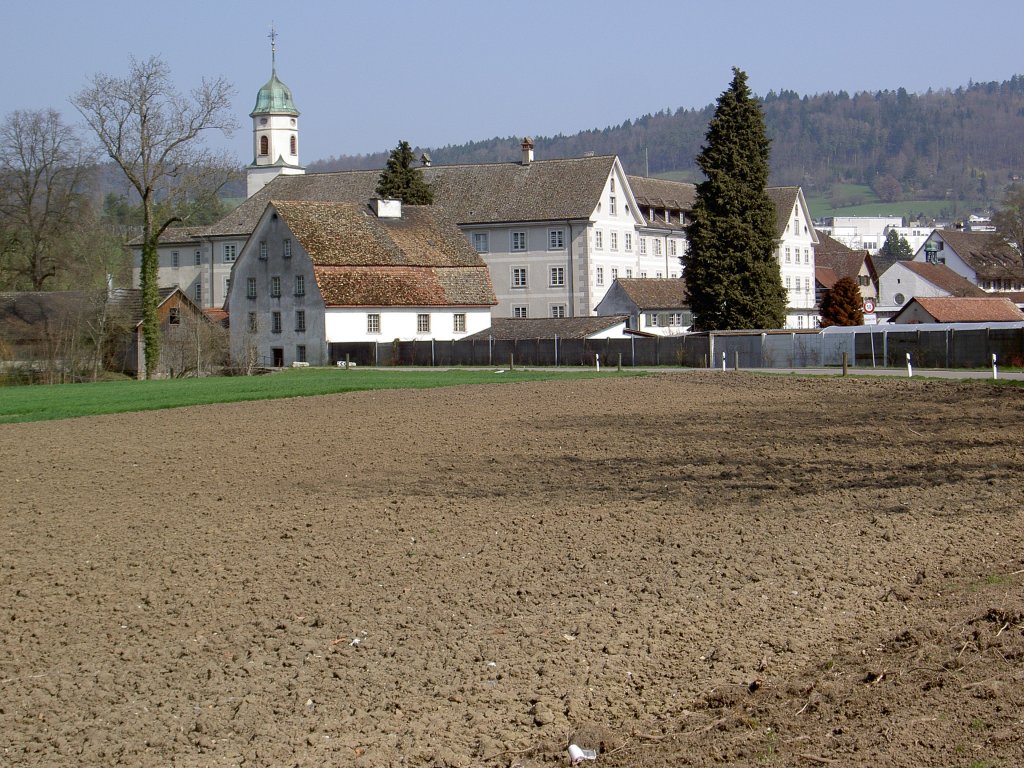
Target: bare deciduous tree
column 155, row 135
column 43, row 166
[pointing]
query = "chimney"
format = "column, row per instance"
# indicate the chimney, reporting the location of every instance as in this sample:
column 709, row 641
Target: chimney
column 527, row 146
column 425, row 160
column 386, row 208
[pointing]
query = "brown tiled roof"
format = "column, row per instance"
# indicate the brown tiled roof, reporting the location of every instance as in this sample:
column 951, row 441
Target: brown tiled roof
column 783, row 198
column 663, row 193
column 418, row 259
column 943, row 277
column 510, row 329
column 173, row 235
column 843, row 261
column 544, row 190
column 405, row 286
column 971, row 310
column 826, row 277
column 986, row 253
column 655, row 293
column 350, row 234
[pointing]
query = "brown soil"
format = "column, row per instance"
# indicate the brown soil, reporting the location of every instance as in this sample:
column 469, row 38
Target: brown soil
column 687, row 569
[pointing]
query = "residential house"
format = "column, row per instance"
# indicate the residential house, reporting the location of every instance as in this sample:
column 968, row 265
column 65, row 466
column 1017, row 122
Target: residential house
column 905, row 280
column 313, row 273
column 797, row 241
column 655, row 306
column 834, row 261
column 860, row 232
column 983, row 258
column 952, row 309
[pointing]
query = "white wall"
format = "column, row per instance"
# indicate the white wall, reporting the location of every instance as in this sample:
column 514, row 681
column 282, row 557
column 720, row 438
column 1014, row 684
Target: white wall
column 345, row 324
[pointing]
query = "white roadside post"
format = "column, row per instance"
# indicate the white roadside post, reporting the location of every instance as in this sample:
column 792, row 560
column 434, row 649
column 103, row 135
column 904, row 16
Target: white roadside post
column 995, row 368
column 910, row 368
column 598, row 359
column 723, row 361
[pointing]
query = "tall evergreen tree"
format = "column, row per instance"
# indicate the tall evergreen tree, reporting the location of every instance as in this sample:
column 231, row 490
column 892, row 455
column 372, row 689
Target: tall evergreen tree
column 400, row 181
column 896, row 246
column 731, row 271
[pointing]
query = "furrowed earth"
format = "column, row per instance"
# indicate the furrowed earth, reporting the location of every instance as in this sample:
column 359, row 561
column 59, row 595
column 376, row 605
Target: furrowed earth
column 681, row 569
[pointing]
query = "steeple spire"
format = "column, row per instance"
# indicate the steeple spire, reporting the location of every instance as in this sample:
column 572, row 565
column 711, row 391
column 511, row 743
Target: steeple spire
column 273, row 49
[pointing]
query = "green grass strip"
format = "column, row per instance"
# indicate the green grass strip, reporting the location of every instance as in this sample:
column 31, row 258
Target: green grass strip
column 65, row 401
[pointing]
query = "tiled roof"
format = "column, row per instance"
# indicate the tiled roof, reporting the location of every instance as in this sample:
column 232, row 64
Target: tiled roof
column 418, row 259
column 971, row 310
column 843, row 261
column 510, row 329
column 173, row 235
column 655, row 293
column 783, row 198
column 544, row 190
column 826, row 277
column 350, row 234
column 663, row 193
column 405, row 286
column 943, row 277
column 986, row 253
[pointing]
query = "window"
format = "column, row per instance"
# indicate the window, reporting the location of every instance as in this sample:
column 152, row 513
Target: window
column 558, row 310
column 197, row 293
column 799, row 321
column 422, row 323
column 229, row 252
column 600, row 275
column 275, row 287
column 629, row 273
column 807, row 285
column 275, row 322
column 657, row 246
column 611, row 205
column 615, row 274
column 174, row 259
column 174, row 316
column 613, row 240
column 518, row 277
column 628, row 242
column 612, row 183
column 263, row 249
column 658, row 274
column 556, row 239
column 287, row 248
column 519, row 311
column 643, row 246
column 598, row 239
column 671, row 247
column 264, row 145
column 459, row 322
column 227, row 286
column 652, row 320
column 253, row 323
column 250, row 288
column 300, row 285
column 518, row 241
column 787, row 256
column 807, row 256
column 198, row 257
column 373, row 323
column 300, row 349
column 294, row 145
column 643, row 274
column 557, row 277
column 675, row 319
column 300, row 320
column 480, row 242
column 789, row 285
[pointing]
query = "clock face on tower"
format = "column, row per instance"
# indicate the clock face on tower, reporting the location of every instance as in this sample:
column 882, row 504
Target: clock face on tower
column 263, row 121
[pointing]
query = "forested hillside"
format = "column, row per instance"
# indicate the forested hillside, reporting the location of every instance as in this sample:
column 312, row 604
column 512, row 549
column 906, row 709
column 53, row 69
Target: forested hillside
column 949, row 144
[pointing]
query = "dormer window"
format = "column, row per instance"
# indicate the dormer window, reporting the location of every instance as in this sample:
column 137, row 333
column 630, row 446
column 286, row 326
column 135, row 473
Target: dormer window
column 264, row 145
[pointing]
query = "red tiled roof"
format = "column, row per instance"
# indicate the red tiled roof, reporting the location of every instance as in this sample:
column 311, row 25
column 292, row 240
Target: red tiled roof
column 405, row 286
column 655, row 293
column 986, row 253
column 970, row 310
column 825, row 276
column 943, row 277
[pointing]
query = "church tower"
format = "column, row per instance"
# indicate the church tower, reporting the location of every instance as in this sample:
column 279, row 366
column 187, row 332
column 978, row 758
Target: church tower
column 275, row 131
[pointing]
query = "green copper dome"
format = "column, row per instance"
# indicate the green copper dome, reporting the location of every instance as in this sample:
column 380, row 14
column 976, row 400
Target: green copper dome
column 274, row 98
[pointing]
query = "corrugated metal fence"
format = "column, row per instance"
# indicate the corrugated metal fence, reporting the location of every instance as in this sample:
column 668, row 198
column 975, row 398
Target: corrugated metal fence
column 882, row 346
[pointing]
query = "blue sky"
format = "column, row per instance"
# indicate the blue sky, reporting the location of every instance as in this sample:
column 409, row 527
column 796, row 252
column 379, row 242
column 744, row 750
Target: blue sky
column 367, row 74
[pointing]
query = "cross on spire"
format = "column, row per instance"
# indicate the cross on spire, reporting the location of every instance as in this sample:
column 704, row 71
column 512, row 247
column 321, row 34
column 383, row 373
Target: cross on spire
column 273, row 48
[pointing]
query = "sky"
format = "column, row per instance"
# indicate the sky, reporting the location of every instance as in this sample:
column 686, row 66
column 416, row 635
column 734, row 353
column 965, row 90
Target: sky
column 368, row 74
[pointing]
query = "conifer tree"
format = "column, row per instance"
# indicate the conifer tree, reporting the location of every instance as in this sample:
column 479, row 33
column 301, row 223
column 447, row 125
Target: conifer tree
column 896, row 246
column 731, row 271
column 842, row 304
column 400, row 181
